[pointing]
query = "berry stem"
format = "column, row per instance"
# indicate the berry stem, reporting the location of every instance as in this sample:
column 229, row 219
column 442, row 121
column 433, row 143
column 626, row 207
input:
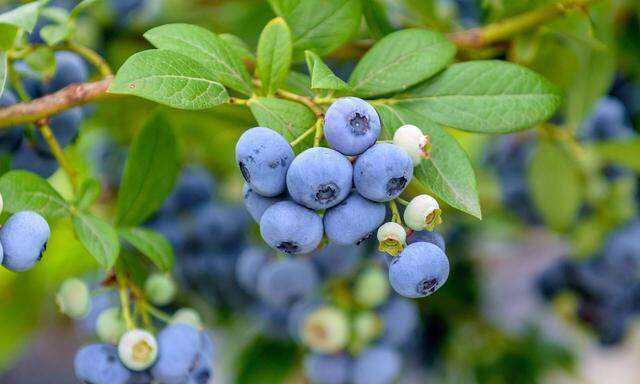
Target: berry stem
column 155, row 312
column 303, row 136
column 319, row 132
column 395, row 214
column 94, row 58
column 124, row 302
column 402, row 201
column 51, row 140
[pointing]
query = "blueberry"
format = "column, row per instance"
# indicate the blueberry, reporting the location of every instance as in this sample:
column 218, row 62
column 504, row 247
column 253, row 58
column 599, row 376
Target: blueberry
column 264, row 157
column 257, row 204
column 371, row 288
column 400, row 319
column 319, row 178
column 10, row 138
column 296, row 316
column 99, row 364
column 419, row 270
column 338, row 260
column 354, row 220
column 137, row 349
column 202, row 371
column 73, row 298
column 326, row 330
column 555, row 278
column 64, row 126
column 608, row 121
column 286, row 281
column 123, row 9
column 248, row 267
column 392, row 238
column 1, row 253
column 351, row 126
column 70, row 69
column 382, row 172
column 377, row 365
column 327, row 369
column 220, row 224
column 31, row 80
column 160, row 289
column 194, row 188
column 433, row 237
column 423, row 212
column 621, row 251
column 99, row 303
column 26, row 158
column 110, row 325
column 290, row 228
column 187, row 316
column 24, row 238
column 179, row 346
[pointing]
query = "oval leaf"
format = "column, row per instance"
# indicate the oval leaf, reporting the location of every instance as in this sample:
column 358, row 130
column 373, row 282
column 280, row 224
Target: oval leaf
column 25, row 191
column 98, row 237
column 274, row 54
column 620, row 152
column 289, row 118
column 322, row 77
column 151, row 244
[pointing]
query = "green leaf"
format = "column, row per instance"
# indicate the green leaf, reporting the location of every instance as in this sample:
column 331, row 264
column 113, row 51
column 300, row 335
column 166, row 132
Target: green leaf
column 620, row 152
column 3, row 70
column 151, row 244
column 149, row 173
column 448, row 174
column 400, row 60
column 320, row 26
column 55, row 33
column 25, row 191
column 485, row 97
column 556, row 185
column 42, row 60
column 98, row 237
column 23, row 17
column 238, row 46
column 376, row 18
column 274, row 54
column 87, row 194
column 8, row 35
column 321, row 76
column 169, row 78
column 81, row 7
column 287, row 117
column 299, row 83
column 207, row 48
column 253, row 368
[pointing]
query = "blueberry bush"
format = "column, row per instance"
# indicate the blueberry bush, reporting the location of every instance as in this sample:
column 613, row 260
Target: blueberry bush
column 312, row 191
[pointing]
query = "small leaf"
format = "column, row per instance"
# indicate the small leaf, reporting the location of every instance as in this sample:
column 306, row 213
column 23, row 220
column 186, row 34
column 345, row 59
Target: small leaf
column 169, row 78
column 151, row 244
column 287, row 117
column 23, row 17
column 25, row 191
column 238, row 46
column 485, row 97
column 376, row 18
column 206, row 48
column 321, row 76
column 8, row 35
column 448, row 174
column 3, row 71
column 55, row 33
column 274, row 55
column 149, row 173
column 620, row 152
column 555, row 184
column 87, row 194
column 299, row 83
column 98, row 237
column 42, row 60
column 400, row 60
column 320, row 26
column 82, row 6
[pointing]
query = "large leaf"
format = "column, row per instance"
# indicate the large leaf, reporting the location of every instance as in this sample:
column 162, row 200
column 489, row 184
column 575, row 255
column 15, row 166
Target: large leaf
column 23, row 17
column 274, row 54
column 98, row 237
column 149, row 173
column 448, row 174
column 620, row 152
column 400, row 60
column 205, row 47
column 169, row 78
column 320, row 26
column 151, row 244
column 555, row 184
column 376, row 17
column 485, row 96
column 321, row 75
column 25, row 191
column 287, row 117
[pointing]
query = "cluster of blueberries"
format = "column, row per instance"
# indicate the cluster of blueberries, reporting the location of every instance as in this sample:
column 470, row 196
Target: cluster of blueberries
column 23, row 240
column 336, row 302
column 339, row 192
column 24, row 146
column 607, row 285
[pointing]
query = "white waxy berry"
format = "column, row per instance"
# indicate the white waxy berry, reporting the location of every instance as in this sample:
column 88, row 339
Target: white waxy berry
column 392, row 238
column 326, row 330
column 137, row 349
column 423, row 212
column 412, row 140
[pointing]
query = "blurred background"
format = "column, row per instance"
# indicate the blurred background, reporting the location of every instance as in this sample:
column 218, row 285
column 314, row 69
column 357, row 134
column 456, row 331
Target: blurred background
column 544, row 289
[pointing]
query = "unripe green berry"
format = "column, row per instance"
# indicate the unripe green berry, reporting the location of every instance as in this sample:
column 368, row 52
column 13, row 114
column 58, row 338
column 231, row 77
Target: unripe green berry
column 137, row 349
column 325, row 330
column 160, row 289
column 73, row 298
column 110, row 325
column 423, row 212
column 391, row 238
column 371, row 288
column 367, row 327
column 188, row 316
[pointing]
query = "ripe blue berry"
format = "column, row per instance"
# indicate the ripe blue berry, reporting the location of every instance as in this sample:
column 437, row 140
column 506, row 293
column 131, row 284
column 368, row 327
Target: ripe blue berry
column 179, row 346
column 257, row 204
column 24, row 238
column 291, row 228
column 248, row 267
column 377, row 365
column 26, row 158
column 419, row 270
column 65, row 127
column 433, row 237
column 400, row 319
column 264, row 157
column 609, row 120
column 70, row 69
column 10, row 138
column 99, row 364
column 382, row 172
column 337, row 260
column 327, row 369
column 319, row 178
column 194, row 188
column 354, row 220
column 286, row 281
column 351, row 126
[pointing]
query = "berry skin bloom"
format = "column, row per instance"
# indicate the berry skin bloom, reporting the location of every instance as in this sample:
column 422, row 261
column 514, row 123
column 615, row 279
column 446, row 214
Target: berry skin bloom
column 382, row 172
column 286, row 281
column 391, row 238
column 291, row 228
column 137, row 349
column 264, row 157
column 178, row 345
column 423, row 212
column 351, row 126
column 377, row 365
column 319, row 178
column 99, row 364
column 326, row 330
column 24, row 238
column 354, row 220
column 412, row 140
column 419, row 270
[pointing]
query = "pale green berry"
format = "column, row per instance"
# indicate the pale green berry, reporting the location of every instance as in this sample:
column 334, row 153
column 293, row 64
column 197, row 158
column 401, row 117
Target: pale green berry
column 73, row 298
column 371, row 287
column 391, row 238
column 137, row 349
column 188, row 316
column 412, row 140
column 160, row 289
column 423, row 212
column 325, row 330
column 367, row 326
column 110, row 325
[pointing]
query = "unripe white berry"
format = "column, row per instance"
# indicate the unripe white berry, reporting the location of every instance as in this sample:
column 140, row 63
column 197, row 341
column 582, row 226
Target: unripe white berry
column 414, row 142
column 325, row 330
column 423, row 212
column 160, row 289
column 188, row 316
column 367, row 326
column 110, row 325
column 73, row 298
column 392, row 238
column 137, row 349
column 371, row 287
